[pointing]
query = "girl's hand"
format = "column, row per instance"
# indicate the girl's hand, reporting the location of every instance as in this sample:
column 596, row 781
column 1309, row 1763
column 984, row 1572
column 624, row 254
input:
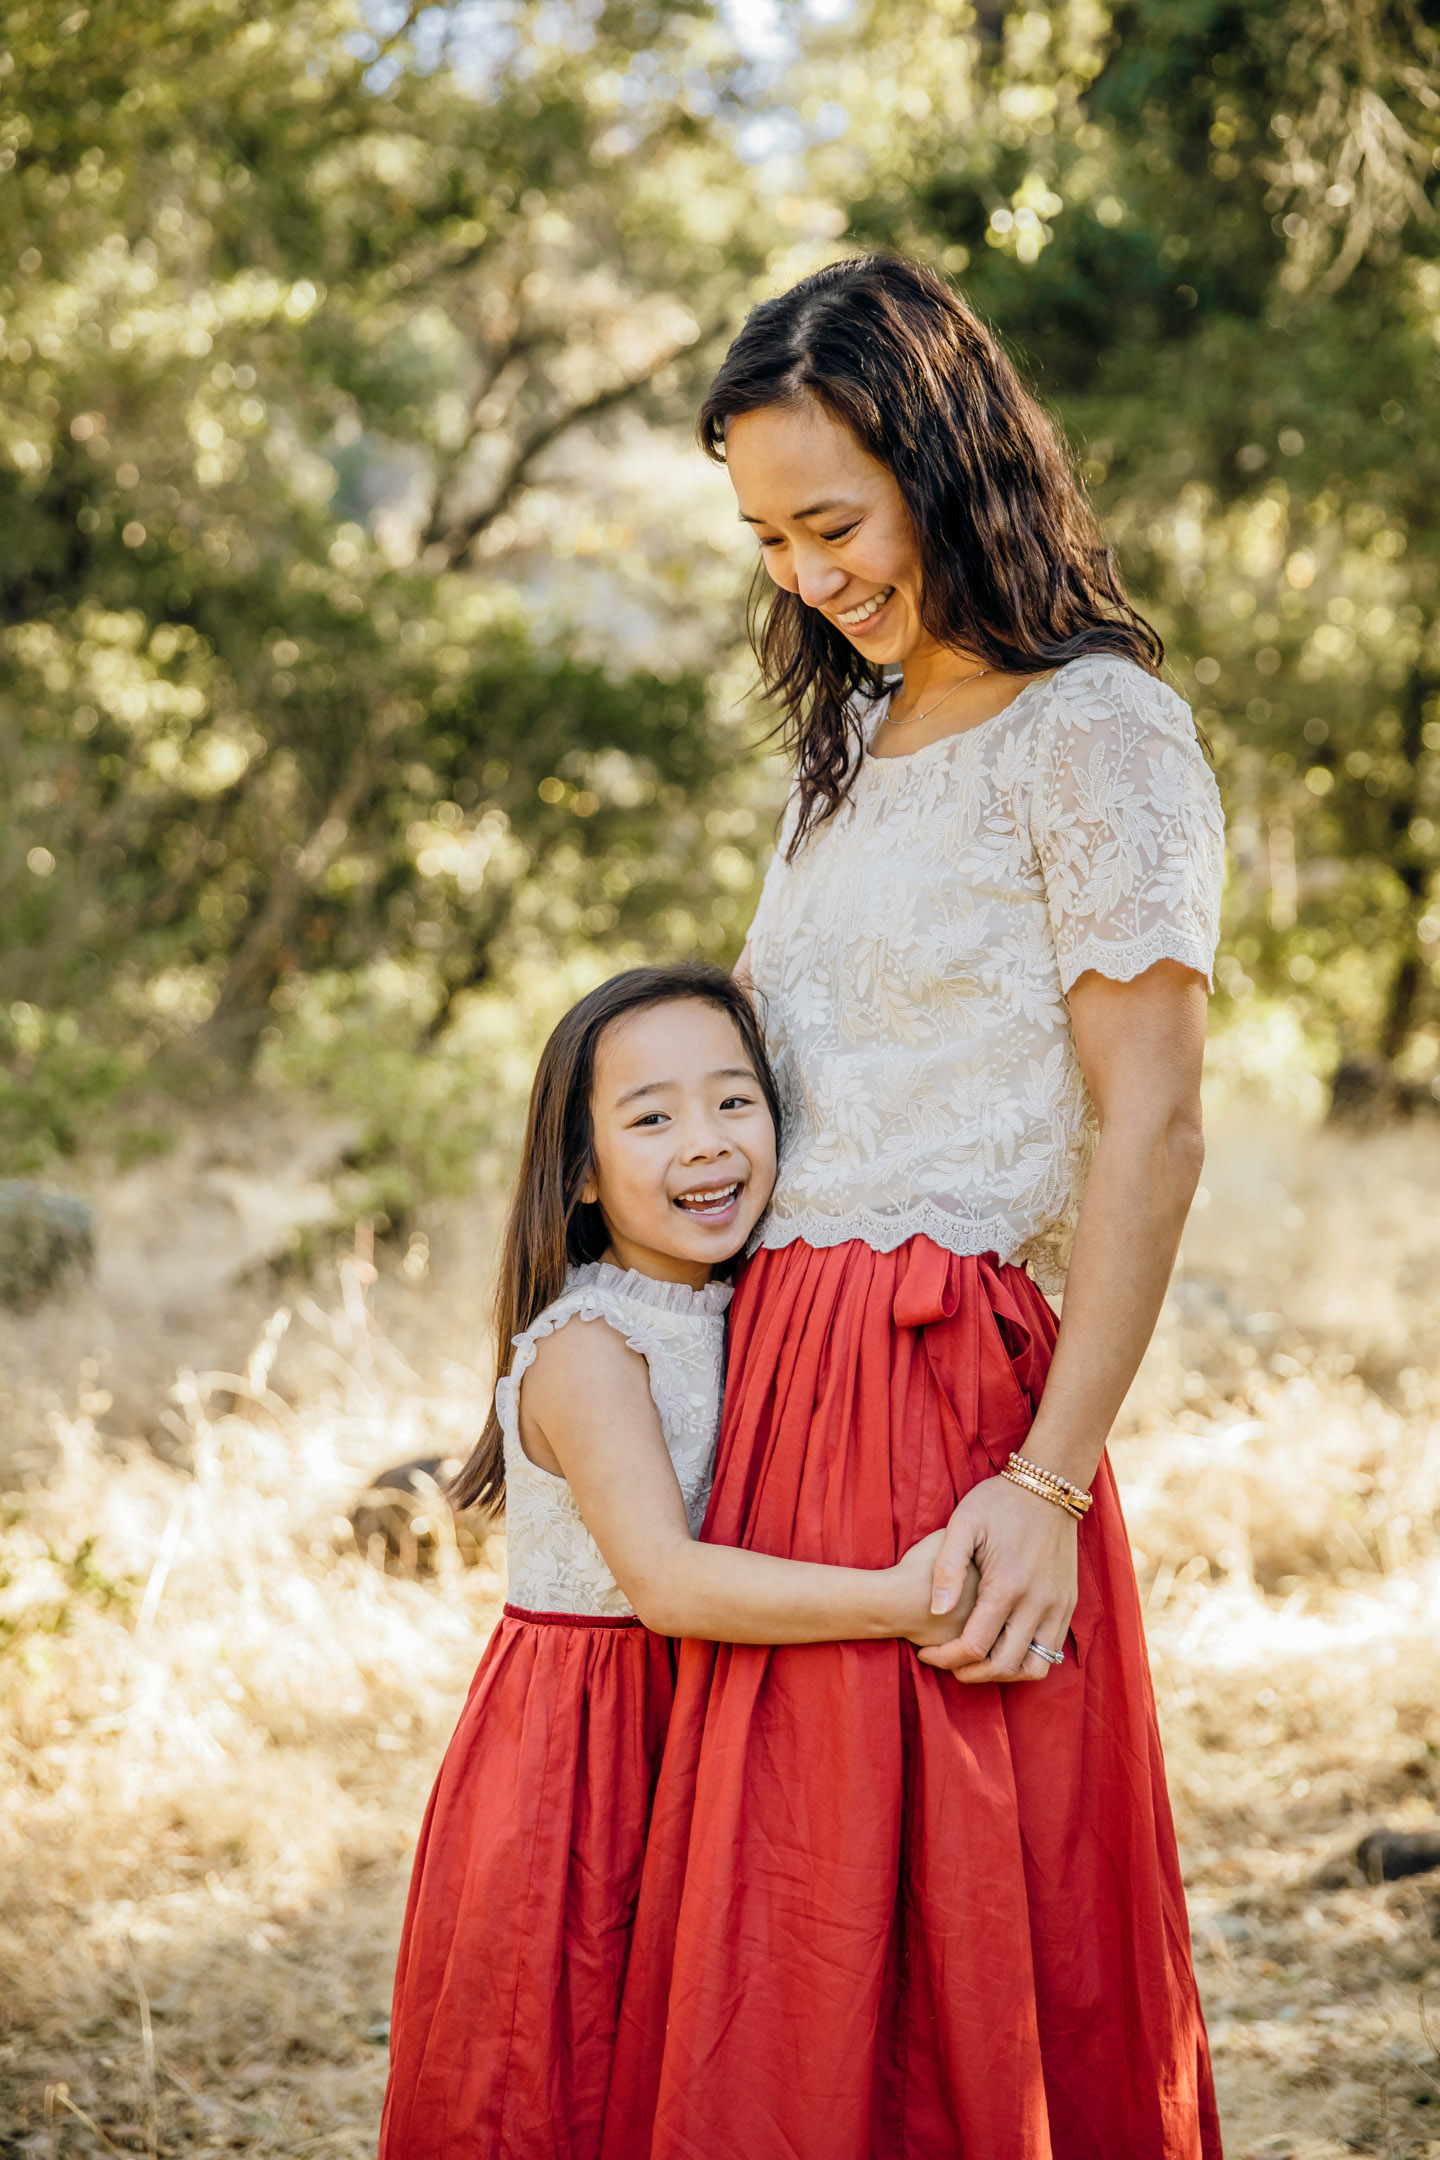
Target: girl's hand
column 1025, row 1549
column 912, row 1581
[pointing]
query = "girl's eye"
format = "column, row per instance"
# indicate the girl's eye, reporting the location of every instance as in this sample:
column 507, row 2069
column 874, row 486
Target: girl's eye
column 651, row 1117
column 738, row 1102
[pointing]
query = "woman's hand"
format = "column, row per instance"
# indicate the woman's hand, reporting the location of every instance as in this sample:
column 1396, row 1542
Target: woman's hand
column 1025, row 1550
column 912, row 1579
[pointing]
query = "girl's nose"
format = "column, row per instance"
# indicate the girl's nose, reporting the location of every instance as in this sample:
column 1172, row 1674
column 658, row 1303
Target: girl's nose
column 704, row 1142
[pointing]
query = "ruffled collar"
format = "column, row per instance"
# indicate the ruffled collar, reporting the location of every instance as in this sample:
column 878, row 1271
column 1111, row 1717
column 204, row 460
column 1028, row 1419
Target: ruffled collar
column 645, row 1290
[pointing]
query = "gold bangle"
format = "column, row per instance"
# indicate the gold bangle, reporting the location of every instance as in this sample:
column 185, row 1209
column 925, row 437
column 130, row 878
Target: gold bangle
column 1076, row 1494
column 1043, row 1492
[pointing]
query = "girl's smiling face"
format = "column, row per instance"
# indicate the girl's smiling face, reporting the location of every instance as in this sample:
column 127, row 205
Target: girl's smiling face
column 832, row 526
column 684, row 1144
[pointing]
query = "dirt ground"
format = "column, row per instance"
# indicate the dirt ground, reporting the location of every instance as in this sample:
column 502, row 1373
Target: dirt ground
column 219, row 1721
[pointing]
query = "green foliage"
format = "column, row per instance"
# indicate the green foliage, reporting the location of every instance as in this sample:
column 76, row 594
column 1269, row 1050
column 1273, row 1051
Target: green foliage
column 1210, row 233
column 252, row 266
column 45, row 1592
column 303, row 776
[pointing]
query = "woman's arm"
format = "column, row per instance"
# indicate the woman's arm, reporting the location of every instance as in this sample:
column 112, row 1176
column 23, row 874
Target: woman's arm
column 586, row 1409
column 1140, row 1046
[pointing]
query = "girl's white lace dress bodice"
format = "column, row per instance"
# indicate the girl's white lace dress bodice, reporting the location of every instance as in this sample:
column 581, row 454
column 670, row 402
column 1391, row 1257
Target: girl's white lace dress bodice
column 554, row 1563
column 912, row 963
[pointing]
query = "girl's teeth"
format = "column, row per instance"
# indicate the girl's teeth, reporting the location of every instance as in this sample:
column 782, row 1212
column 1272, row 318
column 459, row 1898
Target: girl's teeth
column 698, row 1202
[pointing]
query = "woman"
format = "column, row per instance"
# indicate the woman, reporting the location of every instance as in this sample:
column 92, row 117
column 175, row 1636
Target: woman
column 890, row 1912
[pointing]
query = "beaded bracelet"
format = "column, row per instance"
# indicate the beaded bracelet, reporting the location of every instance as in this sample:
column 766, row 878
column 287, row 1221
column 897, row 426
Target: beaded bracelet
column 1042, row 1492
column 1033, row 1477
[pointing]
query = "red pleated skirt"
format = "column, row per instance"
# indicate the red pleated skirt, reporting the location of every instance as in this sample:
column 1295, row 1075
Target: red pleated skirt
column 885, row 1916
column 517, row 1930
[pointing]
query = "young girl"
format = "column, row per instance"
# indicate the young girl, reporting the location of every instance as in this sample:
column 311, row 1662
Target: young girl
column 648, row 1160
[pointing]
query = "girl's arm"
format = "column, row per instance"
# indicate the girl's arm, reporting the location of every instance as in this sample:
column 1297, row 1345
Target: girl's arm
column 586, row 1413
column 1140, row 1046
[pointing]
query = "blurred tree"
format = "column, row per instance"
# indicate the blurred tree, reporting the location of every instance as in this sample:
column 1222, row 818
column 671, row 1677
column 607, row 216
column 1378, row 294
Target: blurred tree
column 297, row 302
column 1209, row 231
column 247, row 254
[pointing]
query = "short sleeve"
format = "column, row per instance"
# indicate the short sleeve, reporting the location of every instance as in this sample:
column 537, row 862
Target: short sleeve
column 1126, row 820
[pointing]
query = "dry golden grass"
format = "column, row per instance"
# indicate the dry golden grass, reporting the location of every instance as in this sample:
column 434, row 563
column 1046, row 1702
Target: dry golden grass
column 1280, row 1457
column 219, row 1724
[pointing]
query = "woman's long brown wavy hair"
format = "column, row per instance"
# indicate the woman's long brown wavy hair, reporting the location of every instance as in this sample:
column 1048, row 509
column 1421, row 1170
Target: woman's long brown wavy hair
column 550, row 1229
column 1013, row 565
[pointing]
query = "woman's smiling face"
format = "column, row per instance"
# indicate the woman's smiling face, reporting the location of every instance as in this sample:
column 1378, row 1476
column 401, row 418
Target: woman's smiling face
column 832, row 526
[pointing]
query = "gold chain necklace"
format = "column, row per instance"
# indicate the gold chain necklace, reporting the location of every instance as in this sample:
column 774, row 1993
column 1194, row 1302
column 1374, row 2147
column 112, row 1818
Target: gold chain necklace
column 912, row 719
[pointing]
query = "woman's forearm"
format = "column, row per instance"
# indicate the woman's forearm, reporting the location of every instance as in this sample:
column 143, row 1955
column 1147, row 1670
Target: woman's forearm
column 1141, row 1184
column 720, row 1593
column 1141, row 1045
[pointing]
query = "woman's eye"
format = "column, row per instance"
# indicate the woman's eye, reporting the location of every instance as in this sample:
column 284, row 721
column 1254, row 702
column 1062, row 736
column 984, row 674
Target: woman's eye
column 772, row 543
column 738, row 1102
column 831, row 538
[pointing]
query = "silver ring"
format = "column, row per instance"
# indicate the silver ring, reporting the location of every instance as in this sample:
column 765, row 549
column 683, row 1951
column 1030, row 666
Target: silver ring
column 1051, row 1657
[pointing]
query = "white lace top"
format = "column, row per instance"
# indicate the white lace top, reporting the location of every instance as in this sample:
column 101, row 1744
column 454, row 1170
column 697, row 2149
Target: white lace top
column 554, row 1563
column 913, row 962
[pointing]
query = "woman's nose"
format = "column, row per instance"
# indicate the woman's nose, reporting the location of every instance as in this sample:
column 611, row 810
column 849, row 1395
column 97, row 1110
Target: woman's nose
column 817, row 579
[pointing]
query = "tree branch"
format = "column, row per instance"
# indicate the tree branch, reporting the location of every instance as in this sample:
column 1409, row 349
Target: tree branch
column 493, row 368
column 387, row 44
column 462, row 535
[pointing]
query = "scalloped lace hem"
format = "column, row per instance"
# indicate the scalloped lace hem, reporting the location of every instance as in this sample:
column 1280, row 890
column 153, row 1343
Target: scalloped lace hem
column 1122, row 963
column 1045, row 1254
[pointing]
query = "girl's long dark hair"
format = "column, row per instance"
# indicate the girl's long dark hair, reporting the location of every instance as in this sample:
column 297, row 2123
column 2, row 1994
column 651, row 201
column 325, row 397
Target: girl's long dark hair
column 1013, row 565
column 550, row 1228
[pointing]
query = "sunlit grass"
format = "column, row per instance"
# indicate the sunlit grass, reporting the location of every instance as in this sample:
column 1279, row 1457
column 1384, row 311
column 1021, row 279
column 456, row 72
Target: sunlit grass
column 219, row 1722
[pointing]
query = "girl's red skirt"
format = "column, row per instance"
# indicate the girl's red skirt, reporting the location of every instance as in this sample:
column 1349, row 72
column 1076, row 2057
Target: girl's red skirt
column 518, row 1927
column 885, row 1916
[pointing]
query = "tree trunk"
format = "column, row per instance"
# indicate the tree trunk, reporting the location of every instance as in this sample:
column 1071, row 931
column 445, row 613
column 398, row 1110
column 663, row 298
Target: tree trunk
column 1400, row 1003
column 233, row 1028
column 1413, row 870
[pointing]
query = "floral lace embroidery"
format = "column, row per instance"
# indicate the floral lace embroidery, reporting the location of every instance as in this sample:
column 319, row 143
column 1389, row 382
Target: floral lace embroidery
column 554, row 1563
column 914, row 960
